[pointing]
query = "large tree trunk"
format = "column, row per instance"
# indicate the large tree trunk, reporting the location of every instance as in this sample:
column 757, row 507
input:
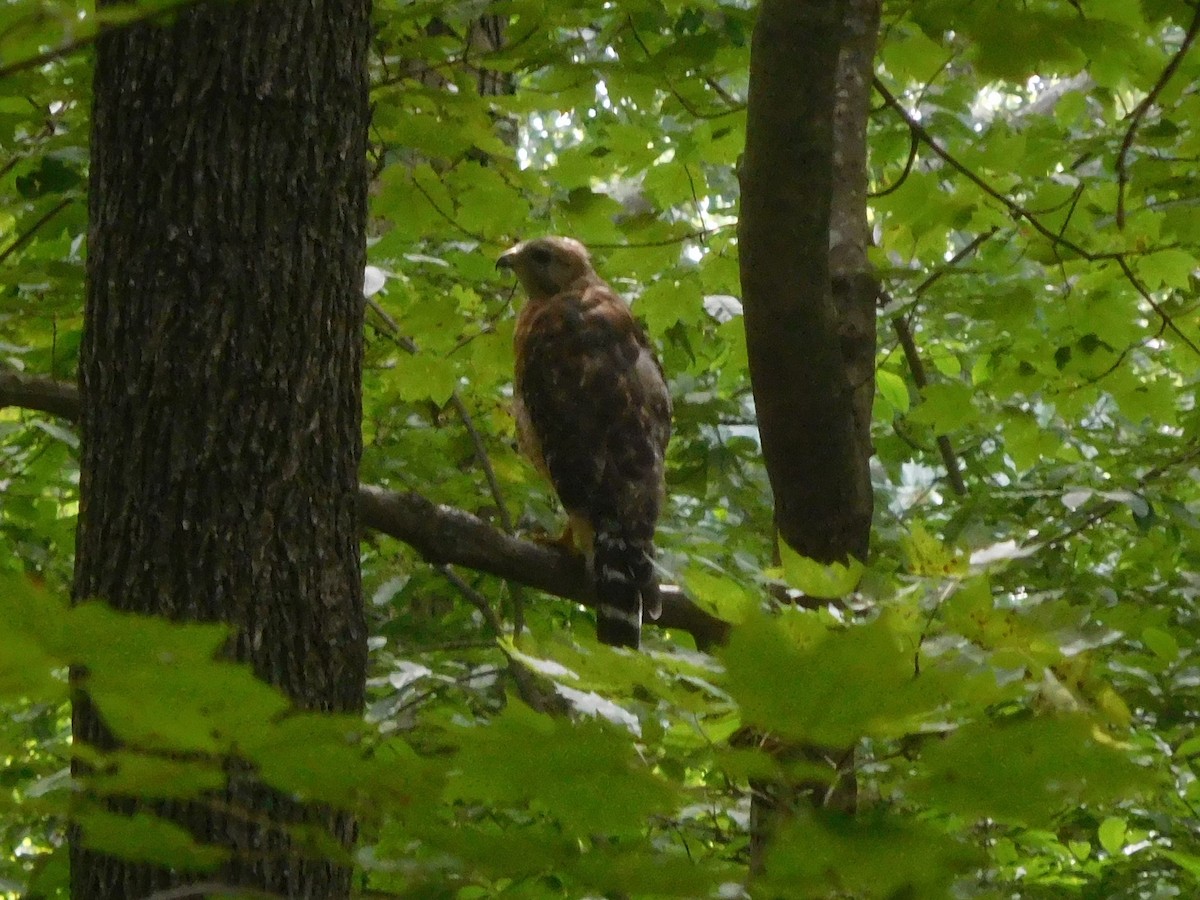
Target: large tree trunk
column 220, row 375
column 809, row 300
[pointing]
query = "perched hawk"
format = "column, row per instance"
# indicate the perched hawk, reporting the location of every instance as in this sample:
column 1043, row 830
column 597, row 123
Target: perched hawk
column 594, row 415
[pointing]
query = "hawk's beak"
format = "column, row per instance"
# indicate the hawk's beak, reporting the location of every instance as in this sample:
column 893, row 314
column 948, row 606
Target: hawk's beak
column 507, row 260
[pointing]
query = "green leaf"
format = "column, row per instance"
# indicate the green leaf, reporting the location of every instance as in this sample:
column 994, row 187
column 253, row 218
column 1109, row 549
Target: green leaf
column 1112, row 835
column 945, row 407
column 1188, row 862
column 893, row 389
column 848, row 684
column 129, row 774
column 146, row 838
column 928, row 556
column 870, row 855
column 1167, row 268
column 814, row 579
column 553, row 766
column 722, row 595
column 1161, row 644
column 425, row 377
column 1025, row 771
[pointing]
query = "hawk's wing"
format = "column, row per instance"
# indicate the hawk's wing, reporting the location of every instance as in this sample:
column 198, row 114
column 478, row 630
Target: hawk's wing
column 595, row 415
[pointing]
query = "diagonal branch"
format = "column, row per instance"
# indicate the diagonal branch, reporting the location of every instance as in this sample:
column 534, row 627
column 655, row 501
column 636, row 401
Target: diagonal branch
column 69, row 47
column 28, row 235
column 442, row 535
column 1021, row 213
column 1135, row 119
column 1014, row 208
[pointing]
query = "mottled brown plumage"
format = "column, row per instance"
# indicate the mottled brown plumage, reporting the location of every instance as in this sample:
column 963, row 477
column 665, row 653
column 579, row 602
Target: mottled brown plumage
column 594, row 414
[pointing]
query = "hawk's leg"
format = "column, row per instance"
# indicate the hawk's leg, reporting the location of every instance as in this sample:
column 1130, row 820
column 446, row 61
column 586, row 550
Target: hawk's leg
column 575, row 538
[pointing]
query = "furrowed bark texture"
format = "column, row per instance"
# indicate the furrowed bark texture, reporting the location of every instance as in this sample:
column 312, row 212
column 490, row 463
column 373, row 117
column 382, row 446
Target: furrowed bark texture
column 220, row 377
column 819, row 473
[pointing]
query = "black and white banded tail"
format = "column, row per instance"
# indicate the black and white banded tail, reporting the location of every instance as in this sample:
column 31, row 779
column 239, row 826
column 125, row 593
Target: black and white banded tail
column 624, row 576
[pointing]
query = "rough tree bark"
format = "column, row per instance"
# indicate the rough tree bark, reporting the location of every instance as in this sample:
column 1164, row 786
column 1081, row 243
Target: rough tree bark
column 809, row 300
column 220, row 377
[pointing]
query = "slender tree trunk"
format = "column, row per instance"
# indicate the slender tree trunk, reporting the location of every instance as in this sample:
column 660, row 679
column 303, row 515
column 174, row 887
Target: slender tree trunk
column 818, row 471
column 855, row 287
column 220, row 376
column 809, row 298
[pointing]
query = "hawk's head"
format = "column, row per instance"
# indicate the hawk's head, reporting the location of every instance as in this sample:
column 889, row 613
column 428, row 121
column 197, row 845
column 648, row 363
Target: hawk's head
column 547, row 266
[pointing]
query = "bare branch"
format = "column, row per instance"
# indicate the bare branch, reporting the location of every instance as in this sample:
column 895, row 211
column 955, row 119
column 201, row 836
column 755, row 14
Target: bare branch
column 1157, row 307
column 914, row 144
column 920, row 379
column 446, row 535
column 40, row 394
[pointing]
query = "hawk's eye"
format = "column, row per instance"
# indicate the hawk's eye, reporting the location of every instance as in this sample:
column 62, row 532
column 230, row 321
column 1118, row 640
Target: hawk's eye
column 540, row 255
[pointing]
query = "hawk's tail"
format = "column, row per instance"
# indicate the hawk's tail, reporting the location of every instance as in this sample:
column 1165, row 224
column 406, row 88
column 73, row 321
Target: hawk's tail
column 624, row 574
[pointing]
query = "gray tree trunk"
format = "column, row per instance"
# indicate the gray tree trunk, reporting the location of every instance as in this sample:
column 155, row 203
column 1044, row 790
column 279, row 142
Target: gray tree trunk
column 809, row 298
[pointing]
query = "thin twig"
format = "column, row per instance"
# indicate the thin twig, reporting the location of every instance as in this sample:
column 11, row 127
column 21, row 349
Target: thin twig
column 1102, row 510
column 909, row 345
column 686, row 104
column 666, row 242
column 33, row 229
column 1162, row 313
column 484, row 460
column 460, row 408
column 445, row 215
column 1012, row 206
column 475, row 598
column 1139, row 113
column 81, row 43
column 913, row 143
column 1056, row 239
column 920, row 379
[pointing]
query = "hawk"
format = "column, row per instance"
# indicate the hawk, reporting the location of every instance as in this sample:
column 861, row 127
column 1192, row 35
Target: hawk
column 594, row 415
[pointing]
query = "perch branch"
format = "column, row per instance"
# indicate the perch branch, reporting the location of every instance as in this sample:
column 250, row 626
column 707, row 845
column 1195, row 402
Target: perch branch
column 442, row 535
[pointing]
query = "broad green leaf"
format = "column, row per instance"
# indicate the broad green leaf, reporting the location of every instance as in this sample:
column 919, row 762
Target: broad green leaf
column 129, row 774
column 1026, row 771
column 143, row 837
column 552, row 767
column 945, row 407
column 815, row 579
column 1111, row 834
column 1161, row 643
column 1169, row 268
column 893, row 389
column 859, row 682
column 871, row 855
column 425, row 377
column 723, row 595
column 929, row 556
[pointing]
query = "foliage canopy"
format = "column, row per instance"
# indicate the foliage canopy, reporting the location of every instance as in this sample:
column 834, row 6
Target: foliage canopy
column 1018, row 668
